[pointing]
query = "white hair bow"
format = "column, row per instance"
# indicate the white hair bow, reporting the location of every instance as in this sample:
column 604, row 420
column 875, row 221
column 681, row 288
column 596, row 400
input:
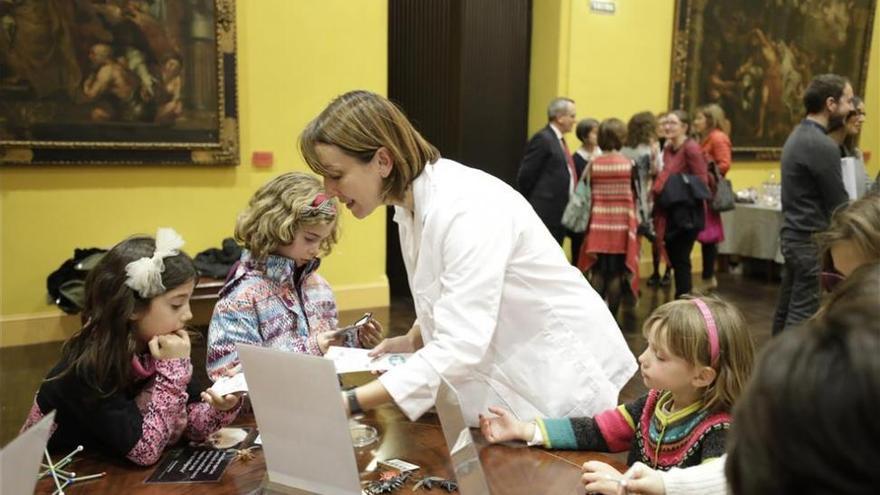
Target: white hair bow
column 144, row 276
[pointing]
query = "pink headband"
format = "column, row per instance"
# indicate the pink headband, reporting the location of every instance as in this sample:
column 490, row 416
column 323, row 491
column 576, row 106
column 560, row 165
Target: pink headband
column 321, row 204
column 319, row 198
column 711, row 330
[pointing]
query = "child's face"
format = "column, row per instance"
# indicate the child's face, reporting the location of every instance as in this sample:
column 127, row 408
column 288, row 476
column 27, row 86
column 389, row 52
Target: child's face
column 847, row 256
column 662, row 370
column 306, row 243
column 166, row 313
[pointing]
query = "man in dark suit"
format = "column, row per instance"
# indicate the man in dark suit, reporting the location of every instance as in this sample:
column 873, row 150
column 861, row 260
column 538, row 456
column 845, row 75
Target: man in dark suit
column 547, row 174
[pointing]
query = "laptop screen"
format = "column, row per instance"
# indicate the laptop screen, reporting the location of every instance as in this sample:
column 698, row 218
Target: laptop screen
column 299, row 411
column 20, row 460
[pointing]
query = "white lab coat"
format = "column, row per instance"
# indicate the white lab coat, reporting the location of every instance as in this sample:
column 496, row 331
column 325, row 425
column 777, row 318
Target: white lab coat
column 504, row 317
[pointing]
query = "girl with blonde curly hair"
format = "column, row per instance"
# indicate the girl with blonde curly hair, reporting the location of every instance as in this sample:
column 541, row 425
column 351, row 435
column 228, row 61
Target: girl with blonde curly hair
column 273, row 297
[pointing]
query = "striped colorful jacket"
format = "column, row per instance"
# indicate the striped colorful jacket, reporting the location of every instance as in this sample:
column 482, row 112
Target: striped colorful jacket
column 272, row 304
column 653, row 435
column 613, row 223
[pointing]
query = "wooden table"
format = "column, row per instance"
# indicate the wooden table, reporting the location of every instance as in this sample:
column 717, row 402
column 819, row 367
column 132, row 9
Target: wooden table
column 510, row 470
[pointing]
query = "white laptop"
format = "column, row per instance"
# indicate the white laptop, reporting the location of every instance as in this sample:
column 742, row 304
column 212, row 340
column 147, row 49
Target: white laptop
column 20, row 459
column 303, row 426
column 465, row 458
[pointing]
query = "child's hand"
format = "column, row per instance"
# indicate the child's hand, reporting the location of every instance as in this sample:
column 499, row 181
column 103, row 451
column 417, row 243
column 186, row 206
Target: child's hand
column 326, row 339
column 601, row 478
column 170, row 346
column 505, row 427
column 219, row 403
column 370, row 334
column 643, row 480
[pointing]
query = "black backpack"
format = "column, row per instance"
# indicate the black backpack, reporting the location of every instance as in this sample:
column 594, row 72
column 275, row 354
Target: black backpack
column 66, row 285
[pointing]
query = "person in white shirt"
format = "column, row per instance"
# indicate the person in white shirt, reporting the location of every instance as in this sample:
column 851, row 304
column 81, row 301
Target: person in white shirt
column 500, row 313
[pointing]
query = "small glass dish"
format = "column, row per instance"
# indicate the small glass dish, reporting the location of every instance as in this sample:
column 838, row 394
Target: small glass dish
column 363, row 435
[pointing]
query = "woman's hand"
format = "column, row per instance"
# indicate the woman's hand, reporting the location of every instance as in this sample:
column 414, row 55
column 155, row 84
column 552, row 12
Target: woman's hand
column 170, row 346
column 504, row 426
column 370, row 334
column 219, row 403
column 326, row 339
column 393, row 345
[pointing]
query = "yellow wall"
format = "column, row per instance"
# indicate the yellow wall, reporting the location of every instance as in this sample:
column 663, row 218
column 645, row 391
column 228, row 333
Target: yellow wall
column 293, row 57
column 635, row 44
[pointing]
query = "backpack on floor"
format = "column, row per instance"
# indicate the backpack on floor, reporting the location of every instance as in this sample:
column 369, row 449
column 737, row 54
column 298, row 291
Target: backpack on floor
column 67, row 284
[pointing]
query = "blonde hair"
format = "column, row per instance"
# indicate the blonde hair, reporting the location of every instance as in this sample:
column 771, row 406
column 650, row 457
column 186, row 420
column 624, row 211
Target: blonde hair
column 279, row 209
column 715, row 118
column 681, row 329
column 858, row 222
column 361, row 122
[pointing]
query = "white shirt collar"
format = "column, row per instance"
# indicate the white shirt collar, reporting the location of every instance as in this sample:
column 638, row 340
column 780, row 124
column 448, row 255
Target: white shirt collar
column 556, row 131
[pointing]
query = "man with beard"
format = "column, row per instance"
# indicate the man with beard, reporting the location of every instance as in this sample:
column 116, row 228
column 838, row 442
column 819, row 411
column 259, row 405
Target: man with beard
column 812, row 188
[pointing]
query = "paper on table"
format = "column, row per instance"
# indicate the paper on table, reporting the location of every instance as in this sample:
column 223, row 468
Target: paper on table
column 350, row 360
column 230, row 384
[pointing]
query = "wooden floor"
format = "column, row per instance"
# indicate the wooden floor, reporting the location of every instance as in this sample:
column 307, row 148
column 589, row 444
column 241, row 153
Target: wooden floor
column 22, row 368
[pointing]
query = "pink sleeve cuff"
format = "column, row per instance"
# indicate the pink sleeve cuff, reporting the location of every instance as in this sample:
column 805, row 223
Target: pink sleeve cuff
column 615, row 429
column 203, row 420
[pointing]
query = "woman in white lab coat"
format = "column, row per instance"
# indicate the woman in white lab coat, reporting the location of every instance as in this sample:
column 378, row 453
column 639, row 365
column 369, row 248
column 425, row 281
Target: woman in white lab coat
column 500, row 313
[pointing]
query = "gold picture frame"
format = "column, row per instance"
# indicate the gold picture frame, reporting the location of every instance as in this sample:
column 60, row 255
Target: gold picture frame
column 755, row 57
column 118, row 82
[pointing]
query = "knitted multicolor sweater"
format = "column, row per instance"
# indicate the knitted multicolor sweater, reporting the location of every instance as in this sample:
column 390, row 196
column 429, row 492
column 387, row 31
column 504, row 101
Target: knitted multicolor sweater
column 660, row 439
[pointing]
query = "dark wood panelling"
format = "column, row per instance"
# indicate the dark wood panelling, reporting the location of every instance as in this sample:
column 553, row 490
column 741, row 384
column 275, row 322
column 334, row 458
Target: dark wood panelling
column 460, row 71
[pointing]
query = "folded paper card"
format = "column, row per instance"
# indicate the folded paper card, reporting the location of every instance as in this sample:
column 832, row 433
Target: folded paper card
column 230, row 384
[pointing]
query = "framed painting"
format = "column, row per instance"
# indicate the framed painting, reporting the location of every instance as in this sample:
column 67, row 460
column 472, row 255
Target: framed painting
column 118, row 82
column 755, row 58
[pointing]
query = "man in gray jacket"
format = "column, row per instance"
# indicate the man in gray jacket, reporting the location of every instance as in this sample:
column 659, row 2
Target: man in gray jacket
column 812, row 188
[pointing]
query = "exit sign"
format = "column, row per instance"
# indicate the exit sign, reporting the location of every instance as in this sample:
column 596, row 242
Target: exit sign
column 602, row 7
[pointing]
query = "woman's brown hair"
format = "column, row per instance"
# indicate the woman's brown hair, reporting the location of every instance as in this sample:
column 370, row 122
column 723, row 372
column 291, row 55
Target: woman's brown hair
column 359, row 123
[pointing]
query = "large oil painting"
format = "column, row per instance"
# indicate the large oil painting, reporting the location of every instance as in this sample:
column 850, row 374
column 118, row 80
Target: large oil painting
column 755, row 57
column 118, row 81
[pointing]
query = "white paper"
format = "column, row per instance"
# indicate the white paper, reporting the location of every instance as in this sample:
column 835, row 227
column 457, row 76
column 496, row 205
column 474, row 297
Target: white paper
column 351, row 359
column 226, row 438
column 848, row 171
column 230, row 384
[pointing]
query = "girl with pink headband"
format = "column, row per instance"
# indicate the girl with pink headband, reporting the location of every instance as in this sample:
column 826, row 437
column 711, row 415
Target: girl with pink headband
column 698, row 360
